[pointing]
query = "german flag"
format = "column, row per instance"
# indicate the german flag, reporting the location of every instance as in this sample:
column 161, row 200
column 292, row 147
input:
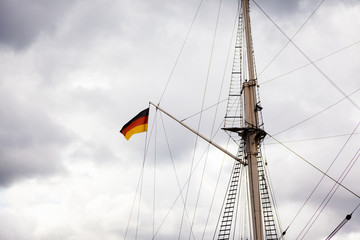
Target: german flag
column 136, row 125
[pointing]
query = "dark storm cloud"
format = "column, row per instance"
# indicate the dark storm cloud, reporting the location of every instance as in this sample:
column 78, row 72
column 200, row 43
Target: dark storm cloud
column 22, row 21
column 30, row 142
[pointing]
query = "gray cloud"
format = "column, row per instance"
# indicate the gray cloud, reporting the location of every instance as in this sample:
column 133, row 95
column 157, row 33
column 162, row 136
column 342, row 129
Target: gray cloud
column 22, row 21
column 30, row 142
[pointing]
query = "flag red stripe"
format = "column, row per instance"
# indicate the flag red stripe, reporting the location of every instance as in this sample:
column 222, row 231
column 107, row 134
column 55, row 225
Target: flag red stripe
column 135, row 123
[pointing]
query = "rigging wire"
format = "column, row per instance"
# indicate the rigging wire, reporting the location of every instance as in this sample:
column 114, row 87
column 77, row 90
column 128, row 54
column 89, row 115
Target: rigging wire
column 238, row 195
column 347, row 218
column 146, row 148
column 273, row 59
column 139, row 205
column 337, row 229
column 310, row 61
column 218, row 178
column 202, row 107
column 290, row 40
column 246, row 231
column 317, row 185
column 133, row 203
column 182, row 48
column 160, row 101
column 311, row 139
column 272, row 192
column 241, row 173
column 217, row 107
column 223, row 203
column 314, row 115
column 251, row 229
column 237, row 18
column 181, row 189
column 308, row 64
column 331, row 193
column 154, row 180
column 199, row 191
column 318, row 169
column 167, row 84
column 215, row 190
column 176, row 176
column 195, row 114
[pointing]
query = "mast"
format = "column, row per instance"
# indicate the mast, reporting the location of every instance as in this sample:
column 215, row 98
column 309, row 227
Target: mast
column 251, row 133
column 243, row 121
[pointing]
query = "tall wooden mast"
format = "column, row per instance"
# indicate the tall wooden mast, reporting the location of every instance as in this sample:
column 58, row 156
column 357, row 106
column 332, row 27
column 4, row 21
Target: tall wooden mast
column 252, row 134
column 248, row 186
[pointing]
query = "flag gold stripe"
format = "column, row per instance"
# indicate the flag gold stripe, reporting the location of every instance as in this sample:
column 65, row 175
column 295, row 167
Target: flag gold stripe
column 137, row 129
column 136, row 125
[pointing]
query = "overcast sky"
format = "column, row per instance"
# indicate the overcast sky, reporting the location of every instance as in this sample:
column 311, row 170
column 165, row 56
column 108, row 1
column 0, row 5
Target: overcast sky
column 72, row 73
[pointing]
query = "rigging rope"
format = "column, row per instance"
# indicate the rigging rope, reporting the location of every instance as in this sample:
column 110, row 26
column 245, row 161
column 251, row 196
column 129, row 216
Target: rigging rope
column 317, row 185
column 146, row 148
column 217, row 107
column 139, row 205
column 214, row 105
column 273, row 59
column 331, row 192
column 312, row 165
column 223, row 78
column 314, row 115
column 223, row 203
column 311, row 139
column 272, row 192
column 337, row 229
column 154, row 183
column 215, row 190
column 238, row 194
column 176, row 176
column 317, row 60
column 182, row 48
column 202, row 107
column 185, row 184
column 133, row 203
column 347, row 218
column 310, row 61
